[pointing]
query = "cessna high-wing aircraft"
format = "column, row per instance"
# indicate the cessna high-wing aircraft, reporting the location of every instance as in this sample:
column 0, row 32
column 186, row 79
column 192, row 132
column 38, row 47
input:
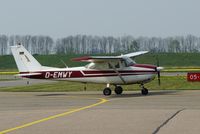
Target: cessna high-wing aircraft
column 109, row 70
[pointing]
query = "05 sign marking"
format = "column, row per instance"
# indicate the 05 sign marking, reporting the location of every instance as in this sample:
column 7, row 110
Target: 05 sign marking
column 193, row 76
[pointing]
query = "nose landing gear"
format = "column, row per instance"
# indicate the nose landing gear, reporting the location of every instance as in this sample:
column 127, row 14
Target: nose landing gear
column 144, row 91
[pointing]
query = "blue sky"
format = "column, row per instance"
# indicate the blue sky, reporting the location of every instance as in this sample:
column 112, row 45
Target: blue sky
column 60, row 18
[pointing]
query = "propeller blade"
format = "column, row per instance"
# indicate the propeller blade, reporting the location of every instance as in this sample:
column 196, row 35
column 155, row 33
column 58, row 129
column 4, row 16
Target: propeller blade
column 159, row 82
column 158, row 71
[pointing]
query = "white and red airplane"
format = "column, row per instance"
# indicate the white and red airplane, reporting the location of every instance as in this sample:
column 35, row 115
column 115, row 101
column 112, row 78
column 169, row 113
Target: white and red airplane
column 109, row 70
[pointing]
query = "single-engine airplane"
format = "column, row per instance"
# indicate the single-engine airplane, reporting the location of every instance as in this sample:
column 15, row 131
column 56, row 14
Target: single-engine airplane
column 109, row 70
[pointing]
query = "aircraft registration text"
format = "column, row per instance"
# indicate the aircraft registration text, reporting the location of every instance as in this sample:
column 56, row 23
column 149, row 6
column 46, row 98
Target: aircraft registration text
column 56, row 75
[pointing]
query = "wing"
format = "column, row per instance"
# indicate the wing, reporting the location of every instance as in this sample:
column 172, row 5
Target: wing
column 108, row 58
column 135, row 54
column 97, row 58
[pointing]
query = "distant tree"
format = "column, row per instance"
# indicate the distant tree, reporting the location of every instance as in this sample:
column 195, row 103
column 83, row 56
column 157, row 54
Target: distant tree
column 134, row 46
column 84, row 44
column 4, row 44
column 174, row 46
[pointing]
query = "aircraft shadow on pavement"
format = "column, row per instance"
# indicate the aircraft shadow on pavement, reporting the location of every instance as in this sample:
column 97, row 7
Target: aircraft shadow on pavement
column 53, row 94
column 84, row 93
column 130, row 94
column 138, row 94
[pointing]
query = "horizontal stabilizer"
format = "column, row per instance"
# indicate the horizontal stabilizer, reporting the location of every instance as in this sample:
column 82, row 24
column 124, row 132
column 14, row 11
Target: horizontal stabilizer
column 28, row 74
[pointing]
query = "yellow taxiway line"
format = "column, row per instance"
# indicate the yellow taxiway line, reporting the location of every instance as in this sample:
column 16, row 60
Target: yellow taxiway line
column 102, row 100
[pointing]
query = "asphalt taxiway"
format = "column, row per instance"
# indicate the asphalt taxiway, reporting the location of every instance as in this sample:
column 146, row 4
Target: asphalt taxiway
column 23, row 82
column 160, row 112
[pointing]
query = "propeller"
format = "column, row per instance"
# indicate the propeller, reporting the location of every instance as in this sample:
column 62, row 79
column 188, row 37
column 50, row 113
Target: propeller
column 158, row 71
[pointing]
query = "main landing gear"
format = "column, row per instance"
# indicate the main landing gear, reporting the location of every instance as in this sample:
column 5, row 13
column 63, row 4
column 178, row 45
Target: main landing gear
column 107, row 91
column 118, row 90
column 144, row 90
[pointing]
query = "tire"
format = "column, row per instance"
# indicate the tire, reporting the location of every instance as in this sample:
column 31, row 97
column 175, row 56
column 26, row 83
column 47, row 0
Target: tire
column 144, row 91
column 118, row 90
column 107, row 91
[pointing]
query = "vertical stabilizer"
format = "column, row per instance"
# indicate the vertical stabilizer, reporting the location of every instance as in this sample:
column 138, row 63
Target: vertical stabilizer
column 24, row 60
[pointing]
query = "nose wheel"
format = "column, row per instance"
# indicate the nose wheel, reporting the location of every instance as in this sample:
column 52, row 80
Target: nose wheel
column 144, row 91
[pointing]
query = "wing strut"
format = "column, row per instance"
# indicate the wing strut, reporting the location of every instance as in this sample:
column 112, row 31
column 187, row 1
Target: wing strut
column 117, row 72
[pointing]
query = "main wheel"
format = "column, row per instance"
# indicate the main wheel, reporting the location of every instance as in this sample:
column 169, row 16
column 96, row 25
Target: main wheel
column 118, row 90
column 107, row 91
column 144, row 91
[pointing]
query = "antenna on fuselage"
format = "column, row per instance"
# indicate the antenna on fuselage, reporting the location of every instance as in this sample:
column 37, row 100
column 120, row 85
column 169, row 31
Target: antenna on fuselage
column 64, row 63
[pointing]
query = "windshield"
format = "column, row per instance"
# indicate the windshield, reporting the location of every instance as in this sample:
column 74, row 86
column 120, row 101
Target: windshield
column 126, row 61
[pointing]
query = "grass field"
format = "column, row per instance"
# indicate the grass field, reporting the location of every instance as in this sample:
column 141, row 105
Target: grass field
column 167, row 83
column 173, row 61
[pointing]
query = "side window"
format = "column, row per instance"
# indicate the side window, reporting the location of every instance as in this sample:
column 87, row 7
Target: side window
column 123, row 63
column 90, row 66
column 109, row 66
column 117, row 65
column 113, row 65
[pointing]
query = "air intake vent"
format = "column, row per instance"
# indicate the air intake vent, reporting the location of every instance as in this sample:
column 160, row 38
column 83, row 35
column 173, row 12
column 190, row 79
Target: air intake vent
column 21, row 53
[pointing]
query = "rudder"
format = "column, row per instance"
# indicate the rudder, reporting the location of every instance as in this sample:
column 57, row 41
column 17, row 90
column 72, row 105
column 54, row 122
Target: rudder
column 24, row 60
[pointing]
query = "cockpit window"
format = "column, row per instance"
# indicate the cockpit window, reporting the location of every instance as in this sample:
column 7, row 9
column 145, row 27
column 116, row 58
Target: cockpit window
column 126, row 62
column 101, row 66
column 114, row 65
column 110, row 66
column 117, row 65
column 123, row 63
column 90, row 66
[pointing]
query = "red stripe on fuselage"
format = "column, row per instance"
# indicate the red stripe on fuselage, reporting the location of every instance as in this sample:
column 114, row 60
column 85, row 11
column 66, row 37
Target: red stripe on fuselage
column 121, row 72
column 79, row 74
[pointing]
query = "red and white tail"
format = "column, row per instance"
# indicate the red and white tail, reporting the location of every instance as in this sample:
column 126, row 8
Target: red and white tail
column 24, row 60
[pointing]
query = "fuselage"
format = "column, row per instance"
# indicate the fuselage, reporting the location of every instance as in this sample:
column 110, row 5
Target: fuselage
column 135, row 74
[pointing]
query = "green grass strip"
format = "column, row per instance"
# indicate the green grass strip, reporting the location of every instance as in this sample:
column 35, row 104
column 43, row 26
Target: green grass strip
column 167, row 83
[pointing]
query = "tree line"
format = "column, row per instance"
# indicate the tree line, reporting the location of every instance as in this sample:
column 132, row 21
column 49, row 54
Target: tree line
column 83, row 44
